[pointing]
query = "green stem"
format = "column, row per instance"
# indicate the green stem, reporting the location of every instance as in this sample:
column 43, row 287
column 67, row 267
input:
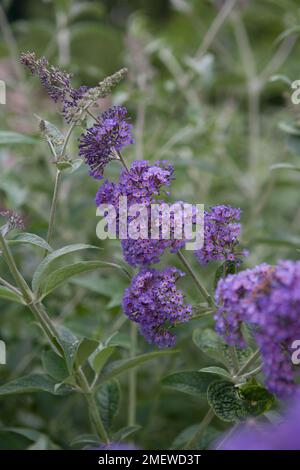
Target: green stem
column 197, row 281
column 132, row 377
column 53, row 208
column 20, row 281
column 199, row 433
column 92, row 406
column 123, row 161
column 9, row 286
column 52, row 334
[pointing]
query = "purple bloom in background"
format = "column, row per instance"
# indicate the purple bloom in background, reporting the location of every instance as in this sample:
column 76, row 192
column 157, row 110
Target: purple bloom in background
column 268, row 299
column 221, row 232
column 154, row 302
column 258, row 436
column 101, row 143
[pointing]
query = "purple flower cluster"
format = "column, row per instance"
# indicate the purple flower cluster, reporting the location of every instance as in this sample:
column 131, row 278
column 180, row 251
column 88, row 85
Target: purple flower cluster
column 101, row 143
column 221, row 232
column 264, row 436
column 141, row 184
column 154, row 302
column 144, row 181
column 267, row 298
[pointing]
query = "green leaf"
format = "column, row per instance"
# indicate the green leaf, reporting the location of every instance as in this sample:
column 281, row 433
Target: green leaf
column 70, row 344
column 115, row 368
column 258, row 400
column 32, row 383
column 217, row 371
column 225, row 400
column 53, row 136
column 108, row 399
column 48, row 263
column 54, row 365
column 284, row 166
column 11, row 138
column 8, row 294
column 193, row 382
column 31, row 239
column 123, row 433
column 85, row 440
column 63, row 274
column 101, row 357
column 211, row 344
column 85, row 349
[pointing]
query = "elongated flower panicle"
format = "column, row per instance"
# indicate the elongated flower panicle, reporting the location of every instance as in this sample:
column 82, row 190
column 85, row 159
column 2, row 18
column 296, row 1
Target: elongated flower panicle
column 154, row 302
column 221, row 232
column 265, row 436
column 268, row 298
column 55, row 81
column 101, row 143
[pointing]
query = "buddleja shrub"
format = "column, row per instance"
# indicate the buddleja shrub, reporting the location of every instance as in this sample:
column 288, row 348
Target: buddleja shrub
column 256, row 311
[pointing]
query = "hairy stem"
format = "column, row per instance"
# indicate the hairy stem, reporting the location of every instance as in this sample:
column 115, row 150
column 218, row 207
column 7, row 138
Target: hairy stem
column 196, row 280
column 53, row 208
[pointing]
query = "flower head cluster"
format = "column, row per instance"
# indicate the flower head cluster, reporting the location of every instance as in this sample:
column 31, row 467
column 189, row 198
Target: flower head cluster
column 144, row 181
column 154, row 302
column 101, row 143
column 268, row 299
column 12, row 221
column 265, row 436
column 221, row 232
column 141, row 184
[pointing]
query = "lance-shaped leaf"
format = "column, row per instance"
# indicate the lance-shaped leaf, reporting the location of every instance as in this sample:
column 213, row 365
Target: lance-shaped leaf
column 49, row 263
column 12, row 138
column 33, row 383
column 113, row 369
column 193, row 382
column 61, row 275
column 123, row 433
column 108, row 399
column 8, row 294
column 30, row 239
column 53, row 136
column 54, row 365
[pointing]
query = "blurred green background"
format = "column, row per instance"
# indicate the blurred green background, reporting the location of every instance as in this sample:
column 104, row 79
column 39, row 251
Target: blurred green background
column 209, row 90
